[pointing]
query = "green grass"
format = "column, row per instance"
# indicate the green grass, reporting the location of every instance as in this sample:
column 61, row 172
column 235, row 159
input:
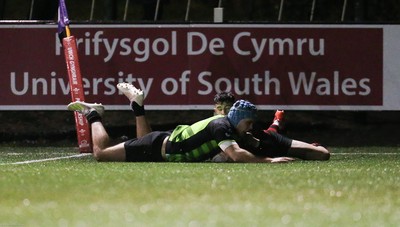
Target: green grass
column 352, row 189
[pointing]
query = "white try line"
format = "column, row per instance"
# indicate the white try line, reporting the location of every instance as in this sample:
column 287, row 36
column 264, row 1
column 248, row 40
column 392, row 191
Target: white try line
column 48, row 159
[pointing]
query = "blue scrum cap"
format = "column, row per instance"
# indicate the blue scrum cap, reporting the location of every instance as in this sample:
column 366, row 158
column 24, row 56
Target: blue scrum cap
column 240, row 110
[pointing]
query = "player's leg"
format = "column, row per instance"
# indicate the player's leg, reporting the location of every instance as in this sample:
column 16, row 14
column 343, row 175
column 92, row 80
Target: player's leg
column 100, row 139
column 142, row 126
column 307, row 151
column 273, row 144
column 136, row 97
column 278, row 145
column 102, row 151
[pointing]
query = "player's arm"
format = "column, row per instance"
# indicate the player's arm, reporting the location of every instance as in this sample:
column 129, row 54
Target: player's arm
column 238, row 154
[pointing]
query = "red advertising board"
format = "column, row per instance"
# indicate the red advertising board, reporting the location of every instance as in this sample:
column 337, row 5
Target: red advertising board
column 183, row 66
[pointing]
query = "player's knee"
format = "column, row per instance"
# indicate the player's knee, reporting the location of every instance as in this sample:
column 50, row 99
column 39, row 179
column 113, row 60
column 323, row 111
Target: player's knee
column 98, row 154
column 324, row 154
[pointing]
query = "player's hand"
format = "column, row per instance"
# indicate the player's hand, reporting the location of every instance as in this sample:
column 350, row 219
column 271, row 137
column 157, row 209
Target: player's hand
column 281, row 160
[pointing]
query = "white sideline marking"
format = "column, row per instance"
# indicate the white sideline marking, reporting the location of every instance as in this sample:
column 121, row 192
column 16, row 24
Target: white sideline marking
column 48, row 159
column 355, row 153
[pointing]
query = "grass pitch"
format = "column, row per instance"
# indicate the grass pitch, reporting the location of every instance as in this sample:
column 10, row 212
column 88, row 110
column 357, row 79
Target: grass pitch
column 357, row 187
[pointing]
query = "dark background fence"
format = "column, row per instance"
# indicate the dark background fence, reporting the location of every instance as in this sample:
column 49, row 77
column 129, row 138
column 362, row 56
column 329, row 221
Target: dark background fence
column 166, row 11
column 332, row 128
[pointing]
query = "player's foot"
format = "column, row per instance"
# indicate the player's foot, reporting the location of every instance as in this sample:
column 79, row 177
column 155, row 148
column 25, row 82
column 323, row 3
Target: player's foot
column 279, row 121
column 279, row 116
column 86, row 108
column 132, row 93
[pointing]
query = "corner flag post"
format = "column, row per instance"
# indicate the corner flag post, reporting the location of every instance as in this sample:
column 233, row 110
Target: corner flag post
column 75, row 78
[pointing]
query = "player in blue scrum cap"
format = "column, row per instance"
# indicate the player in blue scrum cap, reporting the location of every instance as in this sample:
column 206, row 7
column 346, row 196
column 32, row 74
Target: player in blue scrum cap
column 186, row 143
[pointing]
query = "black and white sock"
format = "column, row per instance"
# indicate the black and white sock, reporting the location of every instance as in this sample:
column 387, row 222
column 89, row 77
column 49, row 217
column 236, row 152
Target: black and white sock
column 93, row 116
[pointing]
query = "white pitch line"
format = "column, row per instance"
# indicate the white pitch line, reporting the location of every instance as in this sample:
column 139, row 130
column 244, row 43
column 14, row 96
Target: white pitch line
column 48, row 159
column 87, row 154
column 355, row 153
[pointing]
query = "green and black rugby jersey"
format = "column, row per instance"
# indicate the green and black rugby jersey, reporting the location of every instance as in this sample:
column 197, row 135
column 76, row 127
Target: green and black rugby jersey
column 200, row 141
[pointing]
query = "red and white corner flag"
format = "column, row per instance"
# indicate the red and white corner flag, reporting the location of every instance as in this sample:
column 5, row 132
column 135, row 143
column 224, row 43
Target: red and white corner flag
column 75, row 79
